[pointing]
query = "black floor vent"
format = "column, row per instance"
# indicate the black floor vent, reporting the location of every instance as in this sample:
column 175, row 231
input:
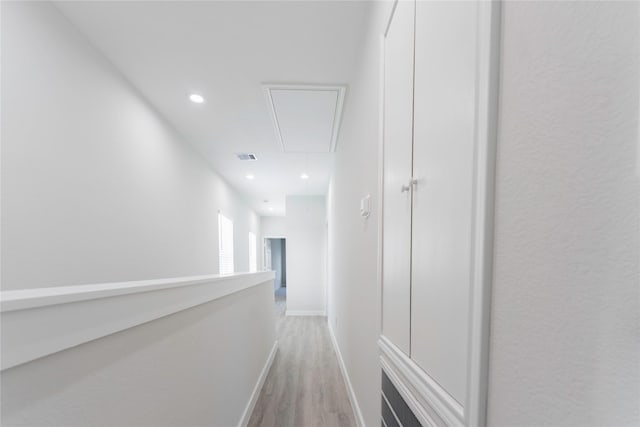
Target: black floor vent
column 395, row 412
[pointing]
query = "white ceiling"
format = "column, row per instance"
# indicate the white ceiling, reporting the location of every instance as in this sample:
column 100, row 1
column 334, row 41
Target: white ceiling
column 226, row 51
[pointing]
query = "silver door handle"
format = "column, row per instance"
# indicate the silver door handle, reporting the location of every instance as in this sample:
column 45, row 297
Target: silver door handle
column 406, row 188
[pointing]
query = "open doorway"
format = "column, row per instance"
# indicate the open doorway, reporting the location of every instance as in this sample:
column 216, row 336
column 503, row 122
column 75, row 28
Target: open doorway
column 275, row 257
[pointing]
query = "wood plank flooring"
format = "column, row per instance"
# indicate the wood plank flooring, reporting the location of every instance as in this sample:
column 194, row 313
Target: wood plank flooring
column 304, row 387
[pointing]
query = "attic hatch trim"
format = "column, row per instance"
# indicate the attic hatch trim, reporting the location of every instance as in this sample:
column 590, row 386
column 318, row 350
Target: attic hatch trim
column 337, row 117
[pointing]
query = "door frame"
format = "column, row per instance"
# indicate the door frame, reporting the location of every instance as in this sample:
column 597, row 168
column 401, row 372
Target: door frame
column 264, row 246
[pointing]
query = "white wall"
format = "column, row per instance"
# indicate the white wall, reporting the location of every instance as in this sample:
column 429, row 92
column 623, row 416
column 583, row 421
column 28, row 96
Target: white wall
column 354, row 294
column 187, row 369
column 273, row 226
column 306, row 254
column 96, row 187
column 565, row 340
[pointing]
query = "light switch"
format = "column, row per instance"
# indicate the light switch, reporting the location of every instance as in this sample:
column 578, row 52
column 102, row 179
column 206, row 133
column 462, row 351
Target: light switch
column 365, row 206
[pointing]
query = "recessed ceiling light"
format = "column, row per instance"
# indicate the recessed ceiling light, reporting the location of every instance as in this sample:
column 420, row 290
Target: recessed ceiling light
column 198, row 99
column 304, row 176
column 250, row 176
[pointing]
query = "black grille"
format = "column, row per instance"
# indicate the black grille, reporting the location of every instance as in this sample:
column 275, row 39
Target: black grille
column 396, row 406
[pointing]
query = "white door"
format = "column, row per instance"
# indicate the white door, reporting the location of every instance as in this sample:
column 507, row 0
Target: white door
column 443, row 164
column 398, row 129
column 267, row 254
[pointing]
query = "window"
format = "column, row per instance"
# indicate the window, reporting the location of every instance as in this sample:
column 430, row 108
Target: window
column 225, row 244
column 253, row 255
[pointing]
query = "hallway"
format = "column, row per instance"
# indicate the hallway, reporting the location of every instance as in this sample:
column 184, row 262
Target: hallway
column 298, row 213
column 304, row 386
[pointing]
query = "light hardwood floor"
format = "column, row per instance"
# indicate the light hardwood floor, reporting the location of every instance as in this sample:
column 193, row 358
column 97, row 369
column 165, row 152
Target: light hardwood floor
column 304, row 386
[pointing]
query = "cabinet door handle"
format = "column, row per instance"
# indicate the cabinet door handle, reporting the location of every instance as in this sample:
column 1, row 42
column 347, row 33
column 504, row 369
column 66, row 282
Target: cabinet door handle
column 406, row 188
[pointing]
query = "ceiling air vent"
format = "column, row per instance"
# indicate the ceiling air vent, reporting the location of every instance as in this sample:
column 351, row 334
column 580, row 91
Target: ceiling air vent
column 247, row 156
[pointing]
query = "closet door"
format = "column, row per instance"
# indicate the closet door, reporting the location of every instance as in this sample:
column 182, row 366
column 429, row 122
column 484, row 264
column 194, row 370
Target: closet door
column 443, row 208
column 398, row 130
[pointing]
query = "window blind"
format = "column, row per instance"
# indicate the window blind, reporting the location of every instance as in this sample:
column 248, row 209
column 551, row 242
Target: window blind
column 225, row 244
column 253, row 255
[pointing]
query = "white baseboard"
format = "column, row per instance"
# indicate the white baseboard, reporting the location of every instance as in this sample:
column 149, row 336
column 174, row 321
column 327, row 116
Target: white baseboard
column 248, row 410
column 352, row 395
column 306, row 313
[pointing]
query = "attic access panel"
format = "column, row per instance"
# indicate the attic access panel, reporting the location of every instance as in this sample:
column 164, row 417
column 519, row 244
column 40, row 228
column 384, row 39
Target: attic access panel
column 306, row 118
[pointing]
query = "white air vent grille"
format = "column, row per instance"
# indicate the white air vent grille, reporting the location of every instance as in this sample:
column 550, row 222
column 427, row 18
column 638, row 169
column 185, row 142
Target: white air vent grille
column 247, row 156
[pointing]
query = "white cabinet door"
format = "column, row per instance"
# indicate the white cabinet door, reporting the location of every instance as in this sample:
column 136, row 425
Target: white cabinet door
column 398, row 130
column 443, row 212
